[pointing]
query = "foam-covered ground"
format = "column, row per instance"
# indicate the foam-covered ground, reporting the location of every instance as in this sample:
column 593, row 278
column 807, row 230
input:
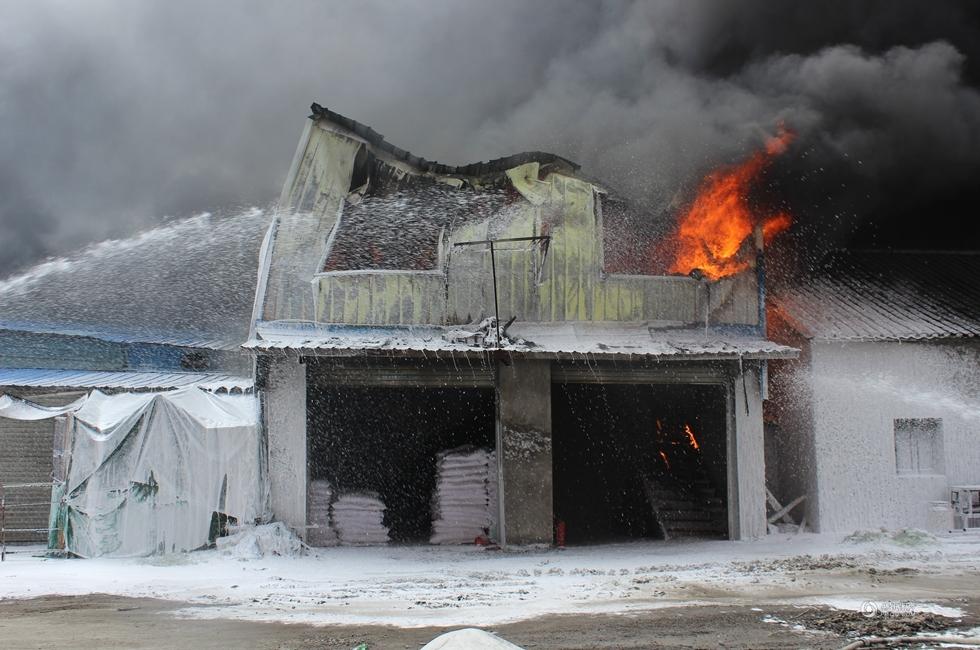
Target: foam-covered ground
column 422, row 585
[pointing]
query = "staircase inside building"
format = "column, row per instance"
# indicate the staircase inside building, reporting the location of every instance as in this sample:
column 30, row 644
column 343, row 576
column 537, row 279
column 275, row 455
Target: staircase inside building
column 683, row 500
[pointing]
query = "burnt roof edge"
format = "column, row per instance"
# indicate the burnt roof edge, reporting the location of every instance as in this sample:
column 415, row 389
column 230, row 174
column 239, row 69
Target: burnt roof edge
column 473, row 169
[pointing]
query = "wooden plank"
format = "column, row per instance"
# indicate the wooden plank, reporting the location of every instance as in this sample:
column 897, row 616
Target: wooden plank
column 784, row 511
column 776, row 505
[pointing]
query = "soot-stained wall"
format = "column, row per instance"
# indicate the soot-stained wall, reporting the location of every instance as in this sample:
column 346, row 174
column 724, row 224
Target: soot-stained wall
column 526, row 451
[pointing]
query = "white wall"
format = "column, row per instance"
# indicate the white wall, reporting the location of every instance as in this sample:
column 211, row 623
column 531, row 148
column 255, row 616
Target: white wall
column 749, row 454
column 285, row 419
column 858, row 390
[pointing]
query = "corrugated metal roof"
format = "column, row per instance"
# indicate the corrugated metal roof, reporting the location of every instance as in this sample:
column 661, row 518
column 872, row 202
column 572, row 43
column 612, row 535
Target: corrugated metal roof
column 105, row 333
column 549, row 340
column 34, row 377
column 876, row 295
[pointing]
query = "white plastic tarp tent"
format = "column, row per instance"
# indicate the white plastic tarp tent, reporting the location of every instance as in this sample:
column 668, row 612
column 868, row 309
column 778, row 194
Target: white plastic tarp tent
column 18, row 409
column 148, row 471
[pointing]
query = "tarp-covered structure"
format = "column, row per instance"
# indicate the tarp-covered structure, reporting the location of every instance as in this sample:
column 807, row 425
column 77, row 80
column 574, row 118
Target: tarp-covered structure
column 153, row 472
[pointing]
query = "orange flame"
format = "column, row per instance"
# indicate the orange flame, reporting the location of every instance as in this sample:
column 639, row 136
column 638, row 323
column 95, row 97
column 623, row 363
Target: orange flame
column 712, row 231
column 690, row 437
column 666, row 462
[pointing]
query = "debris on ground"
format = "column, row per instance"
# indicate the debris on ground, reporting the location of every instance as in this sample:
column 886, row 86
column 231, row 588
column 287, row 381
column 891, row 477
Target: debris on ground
column 859, row 624
column 253, row 542
column 824, row 562
column 909, row 537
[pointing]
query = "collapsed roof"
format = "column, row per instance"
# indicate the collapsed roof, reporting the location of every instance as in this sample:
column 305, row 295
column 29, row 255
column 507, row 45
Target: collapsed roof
column 393, row 220
column 480, row 169
column 369, row 235
column 419, row 207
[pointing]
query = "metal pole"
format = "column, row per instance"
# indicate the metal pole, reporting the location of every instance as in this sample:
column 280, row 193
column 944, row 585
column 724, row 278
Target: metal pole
column 707, row 305
column 760, row 277
column 493, row 266
column 496, row 306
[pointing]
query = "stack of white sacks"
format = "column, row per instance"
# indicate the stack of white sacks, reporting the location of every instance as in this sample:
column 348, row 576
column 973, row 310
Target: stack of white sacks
column 320, row 532
column 358, row 518
column 464, row 505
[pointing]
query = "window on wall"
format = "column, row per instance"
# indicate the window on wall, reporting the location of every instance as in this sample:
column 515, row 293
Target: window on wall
column 919, row 446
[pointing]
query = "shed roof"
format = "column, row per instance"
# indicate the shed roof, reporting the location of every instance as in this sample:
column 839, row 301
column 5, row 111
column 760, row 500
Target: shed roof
column 542, row 340
column 41, row 378
column 179, row 339
column 887, row 296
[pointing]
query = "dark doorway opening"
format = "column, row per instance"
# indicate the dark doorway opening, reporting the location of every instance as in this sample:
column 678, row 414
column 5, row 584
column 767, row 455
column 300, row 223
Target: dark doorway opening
column 385, row 440
column 640, row 461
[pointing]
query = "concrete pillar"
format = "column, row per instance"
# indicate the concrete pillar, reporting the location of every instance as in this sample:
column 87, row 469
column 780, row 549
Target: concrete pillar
column 524, row 449
column 285, row 421
column 749, row 455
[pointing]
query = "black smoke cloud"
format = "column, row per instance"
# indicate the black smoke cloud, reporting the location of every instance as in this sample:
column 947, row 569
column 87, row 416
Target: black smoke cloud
column 118, row 115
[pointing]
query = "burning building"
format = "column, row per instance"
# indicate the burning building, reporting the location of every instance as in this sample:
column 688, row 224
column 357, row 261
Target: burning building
column 498, row 351
column 877, row 422
column 405, row 308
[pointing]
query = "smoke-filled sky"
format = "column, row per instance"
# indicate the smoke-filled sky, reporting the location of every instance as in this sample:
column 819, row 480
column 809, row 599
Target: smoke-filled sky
column 119, row 115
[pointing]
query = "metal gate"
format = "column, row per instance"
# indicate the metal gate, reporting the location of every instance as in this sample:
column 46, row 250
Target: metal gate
column 462, row 373
column 32, row 455
column 25, row 474
column 612, row 373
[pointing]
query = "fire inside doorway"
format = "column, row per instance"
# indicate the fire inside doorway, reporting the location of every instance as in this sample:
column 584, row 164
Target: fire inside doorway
column 385, row 439
column 640, row 460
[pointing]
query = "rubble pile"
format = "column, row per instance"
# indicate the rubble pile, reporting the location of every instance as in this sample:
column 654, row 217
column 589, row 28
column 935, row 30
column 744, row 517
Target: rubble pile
column 860, row 624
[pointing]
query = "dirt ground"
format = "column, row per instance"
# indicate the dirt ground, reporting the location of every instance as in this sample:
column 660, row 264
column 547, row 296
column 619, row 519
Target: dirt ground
column 772, row 593
column 102, row 621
